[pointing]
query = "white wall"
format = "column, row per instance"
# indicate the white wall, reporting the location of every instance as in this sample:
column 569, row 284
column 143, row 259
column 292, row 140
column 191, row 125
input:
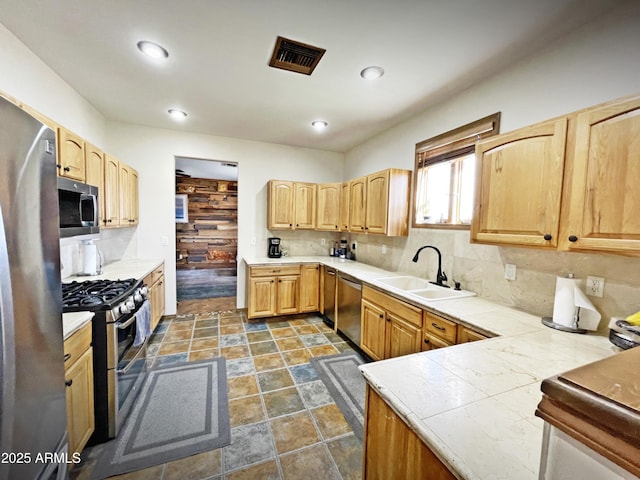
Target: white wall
column 599, row 62
column 151, row 151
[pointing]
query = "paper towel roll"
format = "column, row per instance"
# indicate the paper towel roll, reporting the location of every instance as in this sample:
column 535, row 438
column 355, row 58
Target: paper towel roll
column 89, row 258
column 571, row 307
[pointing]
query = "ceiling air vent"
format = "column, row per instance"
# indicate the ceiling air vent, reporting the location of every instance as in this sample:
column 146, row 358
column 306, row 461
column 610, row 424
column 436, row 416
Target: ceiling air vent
column 295, row 56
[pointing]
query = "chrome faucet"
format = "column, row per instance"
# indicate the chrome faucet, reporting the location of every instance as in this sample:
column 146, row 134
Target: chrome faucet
column 441, row 277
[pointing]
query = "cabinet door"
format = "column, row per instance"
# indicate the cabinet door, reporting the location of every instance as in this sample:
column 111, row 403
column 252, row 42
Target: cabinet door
column 280, row 205
column 133, row 197
column 94, row 163
column 328, row 211
column 111, row 216
column 124, row 180
column 262, row 297
column 431, row 342
column 373, row 330
column 392, row 450
column 288, row 294
column 519, row 185
column 309, row 288
column 402, row 337
column 79, row 398
column 377, row 202
column 305, row 205
column 70, row 155
column 357, row 204
column 603, row 194
column 467, row 335
column 344, row 206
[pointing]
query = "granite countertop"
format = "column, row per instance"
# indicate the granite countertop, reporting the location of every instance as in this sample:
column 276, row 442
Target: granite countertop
column 122, row 269
column 474, row 404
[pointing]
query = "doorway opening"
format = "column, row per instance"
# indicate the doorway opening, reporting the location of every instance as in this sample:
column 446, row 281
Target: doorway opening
column 206, row 235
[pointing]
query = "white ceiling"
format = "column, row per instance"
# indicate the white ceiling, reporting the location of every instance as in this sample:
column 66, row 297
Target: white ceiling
column 219, row 52
column 202, row 168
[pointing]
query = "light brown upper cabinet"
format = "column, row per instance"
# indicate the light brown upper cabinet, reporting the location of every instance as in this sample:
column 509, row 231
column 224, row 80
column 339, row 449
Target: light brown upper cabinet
column 70, row 155
column 344, row 207
column 328, row 211
column 519, row 185
column 94, row 164
column 568, row 183
column 379, row 203
column 602, row 198
column 128, row 186
column 304, row 207
column 111, row 217
column 291, row 205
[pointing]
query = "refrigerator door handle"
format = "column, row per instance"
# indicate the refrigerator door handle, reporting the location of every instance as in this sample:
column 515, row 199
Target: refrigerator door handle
column 7, row 350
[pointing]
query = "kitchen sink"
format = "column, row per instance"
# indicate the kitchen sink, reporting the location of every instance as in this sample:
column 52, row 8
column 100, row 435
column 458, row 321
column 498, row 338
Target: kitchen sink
column 422, row 288
column 405, row 283
column 439, row 293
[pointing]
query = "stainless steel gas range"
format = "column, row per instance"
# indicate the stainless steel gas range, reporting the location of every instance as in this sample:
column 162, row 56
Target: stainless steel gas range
column 119, row 350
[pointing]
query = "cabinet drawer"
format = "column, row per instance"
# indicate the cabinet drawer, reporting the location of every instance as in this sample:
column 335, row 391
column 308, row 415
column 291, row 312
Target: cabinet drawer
column 407, row 312
column 76, row 344
column 432, row 342
column 440, row 327
column 271, row 270
column 156, row 275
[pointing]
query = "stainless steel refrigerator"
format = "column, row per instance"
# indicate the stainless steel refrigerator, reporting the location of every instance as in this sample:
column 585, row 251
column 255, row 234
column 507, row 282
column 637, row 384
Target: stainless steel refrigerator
column 32, row 387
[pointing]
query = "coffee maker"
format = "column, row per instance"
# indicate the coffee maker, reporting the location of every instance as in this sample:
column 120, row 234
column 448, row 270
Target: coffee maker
column 274, row 248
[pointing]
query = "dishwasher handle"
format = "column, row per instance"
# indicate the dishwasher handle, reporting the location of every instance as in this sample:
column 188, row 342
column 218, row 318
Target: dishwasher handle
column 351, row 283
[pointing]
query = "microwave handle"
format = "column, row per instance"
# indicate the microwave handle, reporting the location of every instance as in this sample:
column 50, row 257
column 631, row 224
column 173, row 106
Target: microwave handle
column 94, row 203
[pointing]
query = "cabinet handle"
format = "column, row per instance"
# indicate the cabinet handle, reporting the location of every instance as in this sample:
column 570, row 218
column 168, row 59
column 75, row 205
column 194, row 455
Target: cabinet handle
column 291, row 224
column 109, row 221
column 381, row 315
column 426, row 340
column 438, row 327
column 67, row 169
column 548, row 237
column 297, row 224
column 272, row 281
column 279, row 281
column 68, row 383
column 336, row 226
column 573, row 238
column 58, row 165
column 388, row 319
column 67, row 356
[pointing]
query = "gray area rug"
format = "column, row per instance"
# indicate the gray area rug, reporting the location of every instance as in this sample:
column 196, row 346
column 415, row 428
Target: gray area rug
column 181, row 411
column 346, row 384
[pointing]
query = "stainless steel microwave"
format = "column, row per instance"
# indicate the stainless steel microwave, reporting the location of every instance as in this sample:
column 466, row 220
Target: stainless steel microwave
column 78, row 204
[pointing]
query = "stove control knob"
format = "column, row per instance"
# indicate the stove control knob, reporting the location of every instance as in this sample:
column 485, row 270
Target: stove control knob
column 144, row 290
column 131, row 305
column 137, row 297
column 124, row 308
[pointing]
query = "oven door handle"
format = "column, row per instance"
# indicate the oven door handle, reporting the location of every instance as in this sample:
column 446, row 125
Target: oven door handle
column 141, row 353
column 122, row 326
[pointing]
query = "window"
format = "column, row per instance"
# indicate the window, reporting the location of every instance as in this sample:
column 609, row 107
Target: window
column 444, row 176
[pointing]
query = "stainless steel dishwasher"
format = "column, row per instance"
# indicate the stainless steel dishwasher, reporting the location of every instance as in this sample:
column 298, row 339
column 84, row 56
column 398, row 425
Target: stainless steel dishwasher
column 348, row 315
column 329, row 302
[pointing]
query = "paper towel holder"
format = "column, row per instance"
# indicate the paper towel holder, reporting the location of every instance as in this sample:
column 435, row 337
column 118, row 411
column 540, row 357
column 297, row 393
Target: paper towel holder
column 548, row 321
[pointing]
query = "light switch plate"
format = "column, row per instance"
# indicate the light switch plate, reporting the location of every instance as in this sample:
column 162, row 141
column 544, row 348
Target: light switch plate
column 510, row 271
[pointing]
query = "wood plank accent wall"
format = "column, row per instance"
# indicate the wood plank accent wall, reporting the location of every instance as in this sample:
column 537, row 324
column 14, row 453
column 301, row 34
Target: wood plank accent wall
column 210, row 239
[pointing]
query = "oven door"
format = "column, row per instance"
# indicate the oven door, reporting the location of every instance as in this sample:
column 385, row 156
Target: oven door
column 126, row 369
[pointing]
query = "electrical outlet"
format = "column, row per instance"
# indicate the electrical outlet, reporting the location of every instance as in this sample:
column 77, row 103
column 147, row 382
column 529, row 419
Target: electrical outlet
column 383, row 250
column 323, row 241
column 595, row 286
column 510, row 271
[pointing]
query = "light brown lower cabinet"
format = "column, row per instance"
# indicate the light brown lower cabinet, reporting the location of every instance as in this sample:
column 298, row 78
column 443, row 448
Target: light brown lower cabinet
column 273, row 290
column 78, row 376
column 155, row 283
column 392, row 450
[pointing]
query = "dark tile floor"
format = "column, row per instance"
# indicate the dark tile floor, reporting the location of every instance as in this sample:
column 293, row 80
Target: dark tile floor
column 284, row 423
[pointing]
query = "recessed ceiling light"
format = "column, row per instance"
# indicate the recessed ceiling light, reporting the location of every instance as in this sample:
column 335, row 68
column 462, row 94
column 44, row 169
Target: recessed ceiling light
column 177, row 114
column 371, row 73
column 152, row 50
column 319, row 124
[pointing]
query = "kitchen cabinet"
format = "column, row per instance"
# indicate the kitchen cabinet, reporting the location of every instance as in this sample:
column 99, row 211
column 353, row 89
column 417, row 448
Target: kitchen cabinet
column 344, row 207
column 328, row 211
column 467, row 335
column 309, row 287
column 379, row 203
column 291, row 205
column 111, row 217
column 567, row 184
column 155, row 283
column 70, row 155
column 393, row 450
column 128, row 195
column 273, row 290
column 438, row 332
column 389, row 327
column 94, row 163
column 78, row 373
column 602, row 198
column 519, row 186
